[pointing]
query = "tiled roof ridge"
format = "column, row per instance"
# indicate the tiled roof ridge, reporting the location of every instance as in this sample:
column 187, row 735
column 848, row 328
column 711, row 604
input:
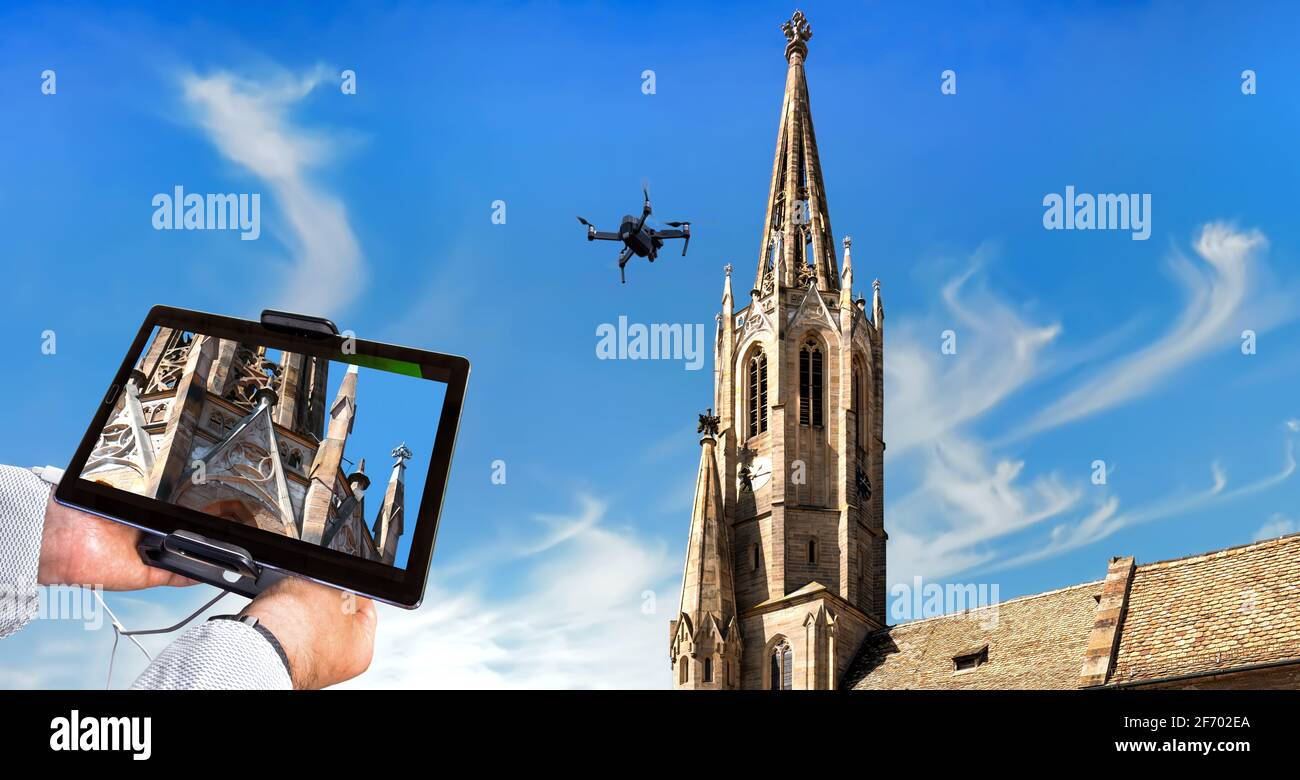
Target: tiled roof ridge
column 999, row 604
column 1223, row 551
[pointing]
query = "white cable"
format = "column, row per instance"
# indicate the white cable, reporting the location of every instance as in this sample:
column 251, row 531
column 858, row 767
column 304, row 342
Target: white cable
column 120, row 631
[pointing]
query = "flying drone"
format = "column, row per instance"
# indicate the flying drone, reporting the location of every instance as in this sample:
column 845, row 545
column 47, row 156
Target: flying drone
column 639, row 238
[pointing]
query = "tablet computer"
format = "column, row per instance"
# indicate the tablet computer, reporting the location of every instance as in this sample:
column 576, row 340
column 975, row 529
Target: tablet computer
column 250, row 450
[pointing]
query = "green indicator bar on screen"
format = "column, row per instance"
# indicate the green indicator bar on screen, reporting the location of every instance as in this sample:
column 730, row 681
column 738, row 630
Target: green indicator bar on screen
column 383, row 364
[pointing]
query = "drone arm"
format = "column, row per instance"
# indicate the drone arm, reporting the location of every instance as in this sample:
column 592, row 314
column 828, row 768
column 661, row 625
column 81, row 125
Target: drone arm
column 593, row 234
column 645, row 213
column 623, row 257
column 683, row 232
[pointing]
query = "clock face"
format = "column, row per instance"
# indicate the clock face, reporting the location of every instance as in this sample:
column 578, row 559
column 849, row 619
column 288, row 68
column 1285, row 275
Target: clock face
column 760, row 471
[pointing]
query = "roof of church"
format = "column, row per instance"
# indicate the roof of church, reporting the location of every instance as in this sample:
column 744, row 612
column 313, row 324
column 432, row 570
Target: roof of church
column 1204, row 613
column 1214, row 611
column 1033, row 642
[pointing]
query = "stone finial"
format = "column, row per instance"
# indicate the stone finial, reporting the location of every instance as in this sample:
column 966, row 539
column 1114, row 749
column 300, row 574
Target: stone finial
column 709, row 423
column 358, row 480
column 402, row 452
column 265, row 396
column 876, row 285
column 848, row 242
column 797, row 32
column 727, row 269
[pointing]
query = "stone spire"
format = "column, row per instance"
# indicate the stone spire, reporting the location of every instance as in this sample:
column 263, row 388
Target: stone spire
column 846, row 276
column 707, row 584
column 706, row 627
column 388, row 528
column 797, row 228
column 877, row 306
column 329, row 457
column 725, row 358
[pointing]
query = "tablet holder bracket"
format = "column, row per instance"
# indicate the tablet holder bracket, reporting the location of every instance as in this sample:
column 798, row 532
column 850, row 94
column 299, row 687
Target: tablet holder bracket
column 302, row 325
column 228, row 566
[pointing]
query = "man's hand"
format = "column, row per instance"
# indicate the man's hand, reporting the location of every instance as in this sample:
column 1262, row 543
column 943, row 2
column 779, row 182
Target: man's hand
column 328, row 635
column 80, row 549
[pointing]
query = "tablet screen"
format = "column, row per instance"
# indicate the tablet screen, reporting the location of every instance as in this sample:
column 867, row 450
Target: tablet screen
column 328, row 450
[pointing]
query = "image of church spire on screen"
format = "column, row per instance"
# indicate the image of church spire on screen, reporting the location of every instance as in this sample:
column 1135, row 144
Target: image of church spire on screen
column 270, row 439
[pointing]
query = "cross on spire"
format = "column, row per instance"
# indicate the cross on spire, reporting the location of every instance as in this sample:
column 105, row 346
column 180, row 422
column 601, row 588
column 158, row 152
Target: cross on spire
column 797, row 32
column 709, row 423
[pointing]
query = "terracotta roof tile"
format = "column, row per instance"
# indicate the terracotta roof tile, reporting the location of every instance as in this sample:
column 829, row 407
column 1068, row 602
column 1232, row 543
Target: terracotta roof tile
column 1035, row 642
column 1218, row 610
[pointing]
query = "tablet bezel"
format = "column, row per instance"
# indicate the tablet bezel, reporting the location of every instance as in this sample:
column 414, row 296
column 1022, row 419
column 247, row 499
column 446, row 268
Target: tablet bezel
column 401, row 587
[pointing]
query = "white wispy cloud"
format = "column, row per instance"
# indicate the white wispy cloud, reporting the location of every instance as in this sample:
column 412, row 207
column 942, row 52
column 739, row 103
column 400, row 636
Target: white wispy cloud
column 966, row 499
column 1106, row 519
column 248, row 121
column 1277, row 525
column 1222, row 300
column 963, row 496
column 998, row 353
column 591, row 611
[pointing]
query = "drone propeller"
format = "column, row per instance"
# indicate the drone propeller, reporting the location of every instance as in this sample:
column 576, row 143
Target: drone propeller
column 645, row 211
column 677, row 224
column 585, row 222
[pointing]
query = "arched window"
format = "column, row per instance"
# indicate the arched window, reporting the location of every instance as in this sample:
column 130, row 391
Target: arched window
column 683, row 670
column 781, row 667
column 856, row 404
column 812, row 550
column 810, row 384
column 753, row 556
column 708, row 670
column 863, row 414
column 756, row 395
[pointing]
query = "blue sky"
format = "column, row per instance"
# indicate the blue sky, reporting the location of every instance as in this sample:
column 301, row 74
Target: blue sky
column 377, row 211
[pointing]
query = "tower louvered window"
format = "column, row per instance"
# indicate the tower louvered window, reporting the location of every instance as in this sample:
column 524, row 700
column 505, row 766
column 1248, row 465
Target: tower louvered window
column 756, row 399
column 810, row 384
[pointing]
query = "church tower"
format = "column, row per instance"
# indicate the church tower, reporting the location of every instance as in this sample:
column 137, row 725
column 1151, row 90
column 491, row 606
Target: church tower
column 793, row 577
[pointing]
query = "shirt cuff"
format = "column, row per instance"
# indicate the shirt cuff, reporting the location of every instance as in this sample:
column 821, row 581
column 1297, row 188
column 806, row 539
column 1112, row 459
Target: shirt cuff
column 23, row 498
column 217, row 655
